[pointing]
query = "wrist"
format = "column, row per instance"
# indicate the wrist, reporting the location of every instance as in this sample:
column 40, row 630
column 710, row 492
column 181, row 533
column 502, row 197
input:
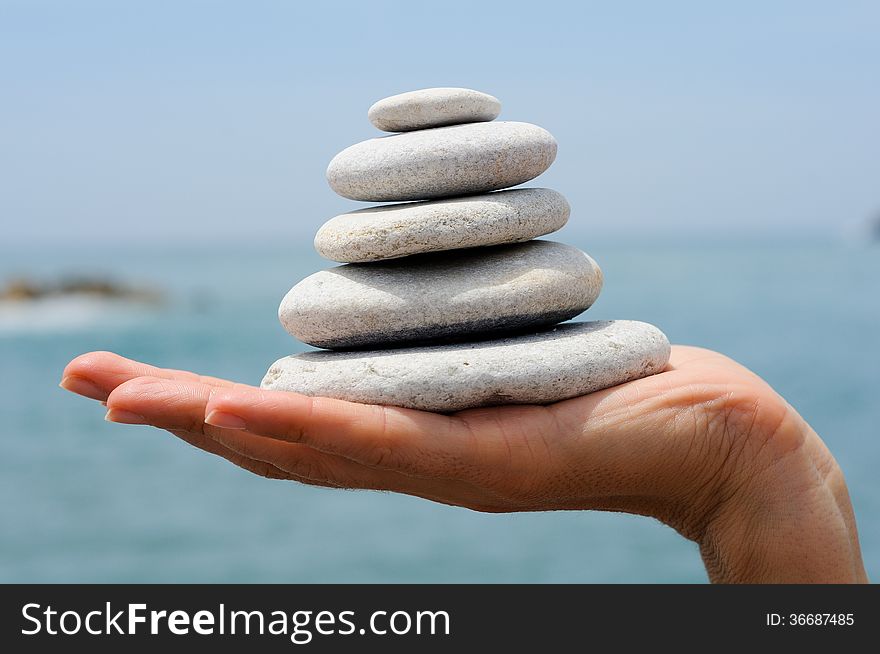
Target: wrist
column 784, row 515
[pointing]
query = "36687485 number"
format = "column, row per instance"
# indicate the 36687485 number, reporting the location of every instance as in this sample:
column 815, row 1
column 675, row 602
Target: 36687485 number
column 820, row 619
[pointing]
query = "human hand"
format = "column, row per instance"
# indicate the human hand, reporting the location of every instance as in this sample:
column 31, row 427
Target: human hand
column 706, row 447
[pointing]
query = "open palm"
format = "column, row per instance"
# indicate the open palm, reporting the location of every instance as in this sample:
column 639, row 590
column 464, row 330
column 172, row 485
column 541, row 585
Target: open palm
column 706, row 446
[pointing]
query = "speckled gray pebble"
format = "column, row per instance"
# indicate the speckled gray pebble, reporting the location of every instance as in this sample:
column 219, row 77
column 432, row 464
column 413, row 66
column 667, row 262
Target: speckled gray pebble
column 433, row 108
column 442, row 295
column 569, row 360
column 399, row 230
column 443, row 161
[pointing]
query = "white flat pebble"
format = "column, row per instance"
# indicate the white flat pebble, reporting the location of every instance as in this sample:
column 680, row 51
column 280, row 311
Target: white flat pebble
column 444, row 161
column 399, row 230
column 433, row 108
column 569, row 360
column 448, row 294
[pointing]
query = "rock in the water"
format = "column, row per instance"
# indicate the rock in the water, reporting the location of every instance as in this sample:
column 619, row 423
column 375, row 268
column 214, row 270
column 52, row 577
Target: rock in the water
column 442, row 295
column 443, row 161
column 399, row 230
column 433, row 108
column 566, row 361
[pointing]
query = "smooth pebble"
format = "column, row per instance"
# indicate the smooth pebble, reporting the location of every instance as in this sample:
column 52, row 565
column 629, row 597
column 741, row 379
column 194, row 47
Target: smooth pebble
column 440, row 162
column 433, row 108
column 441, row 295
column 388, row 232
column 569, row 360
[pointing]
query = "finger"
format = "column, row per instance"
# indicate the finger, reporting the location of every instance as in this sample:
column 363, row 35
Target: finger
column 258, row 467
column 96, row 374
column 305, row 463
column 161, row 402
column 136, row 404
column 179, row 406
column 261, row 468
column 414, row 442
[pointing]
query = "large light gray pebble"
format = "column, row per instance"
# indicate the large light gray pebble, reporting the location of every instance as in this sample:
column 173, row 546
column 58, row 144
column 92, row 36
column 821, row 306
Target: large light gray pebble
column 435, row 296
column 443, row 161
column 569, row 360
column 433, row 108
column 388, row 232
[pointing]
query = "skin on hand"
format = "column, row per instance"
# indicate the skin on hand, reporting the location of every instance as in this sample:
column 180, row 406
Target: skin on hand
column 706, row 447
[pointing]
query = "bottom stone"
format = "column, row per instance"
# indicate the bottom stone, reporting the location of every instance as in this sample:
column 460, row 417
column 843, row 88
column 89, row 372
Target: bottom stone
column 568, row 360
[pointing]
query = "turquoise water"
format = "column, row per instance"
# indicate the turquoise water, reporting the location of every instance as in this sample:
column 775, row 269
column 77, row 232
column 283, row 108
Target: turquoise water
column 84, row 500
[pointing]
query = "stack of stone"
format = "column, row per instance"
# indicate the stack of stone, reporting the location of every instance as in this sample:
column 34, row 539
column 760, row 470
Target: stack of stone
column 447, row 303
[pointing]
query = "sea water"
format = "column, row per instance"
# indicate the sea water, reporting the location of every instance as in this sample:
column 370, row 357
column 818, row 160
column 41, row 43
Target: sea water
column 85, row 500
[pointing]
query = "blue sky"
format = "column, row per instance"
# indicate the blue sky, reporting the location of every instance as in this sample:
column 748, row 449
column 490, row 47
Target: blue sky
column 209, row 122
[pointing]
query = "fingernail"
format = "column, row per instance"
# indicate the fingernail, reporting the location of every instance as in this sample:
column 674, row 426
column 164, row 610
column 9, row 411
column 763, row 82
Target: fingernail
column 83, row 387
column 124, row 417
column 225, row 420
